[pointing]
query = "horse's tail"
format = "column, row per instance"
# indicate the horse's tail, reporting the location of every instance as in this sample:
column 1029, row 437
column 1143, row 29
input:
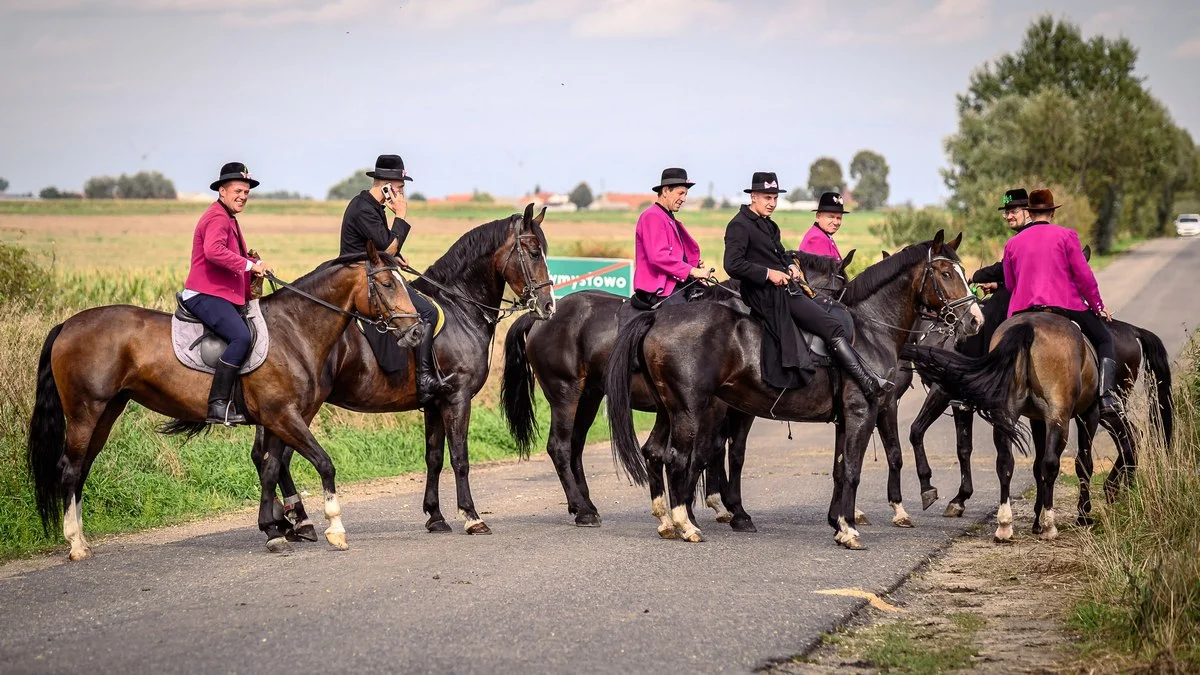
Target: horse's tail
column 1158, row 363
column 47, row 439
column 189, row 430
column 618, row 384
column 516, row 387
column 982, row 382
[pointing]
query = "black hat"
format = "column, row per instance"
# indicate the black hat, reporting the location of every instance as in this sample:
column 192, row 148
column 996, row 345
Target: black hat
column 234, row 171
column 672, row 177
column 389, row 167
column 1042, row 200
column 1015, row 199
column 830, row 202
column 764, row 181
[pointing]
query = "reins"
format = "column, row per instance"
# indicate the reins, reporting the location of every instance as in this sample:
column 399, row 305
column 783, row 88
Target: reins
column 381, row 324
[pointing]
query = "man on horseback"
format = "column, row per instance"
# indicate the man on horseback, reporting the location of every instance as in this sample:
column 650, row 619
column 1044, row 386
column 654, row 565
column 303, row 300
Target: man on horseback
column 1046, row 271
column 218, row 284
column 991, row 278
column 365, row 221
column 819, row 238
column 665, row 255
column 754, row 254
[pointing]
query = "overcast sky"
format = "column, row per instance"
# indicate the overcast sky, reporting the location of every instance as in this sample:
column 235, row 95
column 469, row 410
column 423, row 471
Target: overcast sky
column 501, row 96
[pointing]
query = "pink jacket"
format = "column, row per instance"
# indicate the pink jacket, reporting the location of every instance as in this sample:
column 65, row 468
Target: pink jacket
column 659, row 250
column 816, row 241
column 219, row 266
column 1044, row 265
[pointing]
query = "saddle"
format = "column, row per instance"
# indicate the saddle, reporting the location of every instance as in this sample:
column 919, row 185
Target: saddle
column 391, row 357
column 816, row 347
column 198, row 348
column 638, row 305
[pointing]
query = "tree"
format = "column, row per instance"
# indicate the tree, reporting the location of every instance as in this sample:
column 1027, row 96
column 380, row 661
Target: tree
column 825, row 175
column 798, row 194
column 52, row 192
column 416, row 197
column 100, row 187
column 282, row 195
column 481, row 197
column 3, row 185
column 870, row 171
column 581, row 196
column 351, row 186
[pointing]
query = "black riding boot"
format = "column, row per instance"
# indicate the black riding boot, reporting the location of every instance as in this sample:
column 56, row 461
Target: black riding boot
column 1109, row 404
column 429, row 383
column 220, row 398
column 871, row 384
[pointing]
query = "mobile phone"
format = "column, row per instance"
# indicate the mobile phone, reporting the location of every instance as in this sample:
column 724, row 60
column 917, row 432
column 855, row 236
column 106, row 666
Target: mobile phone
column 387, row 192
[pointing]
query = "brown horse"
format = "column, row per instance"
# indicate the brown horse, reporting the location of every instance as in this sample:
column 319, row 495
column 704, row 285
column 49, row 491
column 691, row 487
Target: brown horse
column 100, row 359
column 1042, row 367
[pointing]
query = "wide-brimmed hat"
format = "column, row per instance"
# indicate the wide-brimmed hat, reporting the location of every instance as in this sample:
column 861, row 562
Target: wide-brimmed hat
column 1015, row 199
column 389, row 167
column 764, row 181
column 234, row 171
column 672, row 177
column 830, row 202
column 1042, row 200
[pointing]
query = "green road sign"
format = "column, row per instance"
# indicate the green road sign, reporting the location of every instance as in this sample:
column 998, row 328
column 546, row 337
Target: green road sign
column 612, row 275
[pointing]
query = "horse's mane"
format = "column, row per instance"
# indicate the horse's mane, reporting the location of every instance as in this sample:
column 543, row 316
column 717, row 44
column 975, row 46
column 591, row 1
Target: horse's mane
column 822, row 264
column 883, row 272
column 349, row 259
column 464, row 253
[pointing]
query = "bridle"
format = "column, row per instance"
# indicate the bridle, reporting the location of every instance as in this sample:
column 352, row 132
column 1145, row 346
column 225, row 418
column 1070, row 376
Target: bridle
column 945, row 320
column 383, row 323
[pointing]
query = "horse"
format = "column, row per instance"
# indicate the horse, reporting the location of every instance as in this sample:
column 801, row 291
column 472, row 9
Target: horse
column 1042, row 367
column 883, row 301
column 469, row 283
column 100, row 359
column 566, row 357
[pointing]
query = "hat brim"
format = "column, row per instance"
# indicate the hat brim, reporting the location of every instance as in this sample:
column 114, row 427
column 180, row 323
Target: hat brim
column 840, row 209
column 684, row 183
column 388, row 175
column 1014, row 205
column 769, row 191
column 226, row 179
column 1051, row 207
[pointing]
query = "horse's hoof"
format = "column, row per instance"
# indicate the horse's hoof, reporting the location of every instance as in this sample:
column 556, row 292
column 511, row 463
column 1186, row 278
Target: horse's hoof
column 954, row 510
column 928, row 497
column 479, row 528
column 1050, row 534
column 725, row 517
column 903, row 521
column 438, row 526
column 279, row 545
column 1037, row 528
column 337, row 540
column 303, row 533
column 853, row 544
column 743, row 525
column 667, row 532
column 694, row 537
column 1084, row 521
column 80, row 554
column 588, row 520
column 861, row 519
column 1003, row 535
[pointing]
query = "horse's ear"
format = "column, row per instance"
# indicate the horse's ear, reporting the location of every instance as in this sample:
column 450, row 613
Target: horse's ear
column 538, row 218
column 373, row 254
column 886, row 255
column 846, row 260
column 938, row 240
column 528, row 217
column 956, row 243
column 1087, row 253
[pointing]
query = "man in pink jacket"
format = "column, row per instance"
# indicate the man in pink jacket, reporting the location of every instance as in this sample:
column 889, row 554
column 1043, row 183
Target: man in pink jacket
column 218, row 284
column 819, row 238
column 1045, row 269
column 664, row 253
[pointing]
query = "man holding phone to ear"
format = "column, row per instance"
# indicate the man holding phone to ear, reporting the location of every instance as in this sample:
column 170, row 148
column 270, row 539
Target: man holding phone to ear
column 365, row 220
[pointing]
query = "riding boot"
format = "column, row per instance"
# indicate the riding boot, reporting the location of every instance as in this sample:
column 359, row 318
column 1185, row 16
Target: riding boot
column 220, row 398
column 1109, row 404
column 429, row 383
column 850, row 361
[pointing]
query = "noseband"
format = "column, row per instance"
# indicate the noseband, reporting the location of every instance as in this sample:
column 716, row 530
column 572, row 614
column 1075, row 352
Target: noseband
column 529, row 291
column 384, row 323
column 946, row 319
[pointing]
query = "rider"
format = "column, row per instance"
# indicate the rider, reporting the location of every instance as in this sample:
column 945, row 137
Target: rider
column 365, row 221
column 754, row 254
column 991, row 278
column 819, row 238
column 665, row 254
column 218, row 285
column 1045, row 269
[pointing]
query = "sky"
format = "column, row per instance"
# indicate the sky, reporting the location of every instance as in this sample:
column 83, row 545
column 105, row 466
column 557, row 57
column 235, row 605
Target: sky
column 502, row 96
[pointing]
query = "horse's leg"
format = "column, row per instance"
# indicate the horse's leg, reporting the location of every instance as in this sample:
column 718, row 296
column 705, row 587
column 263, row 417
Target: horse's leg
column 269, row 452
column 1037, row 430
column 1121, row 474
column 1056, row 439
column 1086, row 425
column 860, row 420
column 685, row 437
column 936, row 402
column 558, row 446
column 258, row 453
column 964, row 434
column 299, row 526
column 585, row 415
column 840, row 527
column 91, row 434
column 293, row 430
column 435, row 454
column 715, row 479
column 889, row 433
column 457, row 419
column 1004, row 472
column 731, row 494
column 654, row 450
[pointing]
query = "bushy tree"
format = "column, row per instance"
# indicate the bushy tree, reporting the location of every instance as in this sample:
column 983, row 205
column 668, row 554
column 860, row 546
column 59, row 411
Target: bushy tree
column 416, row 197
column 3, row 185
column 581, row 196
column 100, row 187
column 52, row 192
column 283, row 195
column 870, row 171
column 350, row 186
column 825, row 175
column 798, row 194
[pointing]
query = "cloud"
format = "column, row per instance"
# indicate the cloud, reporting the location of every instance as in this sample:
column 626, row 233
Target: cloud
column 1187, row 50
column 1113, row 20
column 636, row 18
column 897, row 23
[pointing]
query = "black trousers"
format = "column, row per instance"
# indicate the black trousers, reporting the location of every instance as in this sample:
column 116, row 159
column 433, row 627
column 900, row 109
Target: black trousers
column 809, row 316
column 1094, row 329
column 424, row 307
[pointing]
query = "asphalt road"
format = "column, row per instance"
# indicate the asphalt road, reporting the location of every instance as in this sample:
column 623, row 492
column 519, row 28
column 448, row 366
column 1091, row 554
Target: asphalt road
column 540, row 595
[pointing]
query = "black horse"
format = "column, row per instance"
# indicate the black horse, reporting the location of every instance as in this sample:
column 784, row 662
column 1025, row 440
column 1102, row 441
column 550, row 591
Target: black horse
column 567, row 356
column 469, row 283
column 884, row 301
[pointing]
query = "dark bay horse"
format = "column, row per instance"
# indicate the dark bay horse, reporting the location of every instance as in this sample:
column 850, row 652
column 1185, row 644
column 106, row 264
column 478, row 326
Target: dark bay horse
column 1042, row 367
column 884, row 301
column 566, row 357
column 100, row 359
column 469, row 283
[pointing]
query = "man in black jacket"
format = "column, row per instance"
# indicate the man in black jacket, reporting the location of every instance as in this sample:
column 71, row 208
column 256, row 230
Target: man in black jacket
column 365, row 221
column 991, row 279
column 754, row 254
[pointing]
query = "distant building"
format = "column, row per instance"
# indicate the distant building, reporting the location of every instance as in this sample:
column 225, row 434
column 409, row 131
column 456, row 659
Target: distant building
column 622, row 201
column 553, row 201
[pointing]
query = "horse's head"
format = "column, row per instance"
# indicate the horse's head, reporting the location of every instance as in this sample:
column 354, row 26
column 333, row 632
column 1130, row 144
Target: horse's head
column 824, row 275
column 383, row 296
column 943, row 289
column 522, row 263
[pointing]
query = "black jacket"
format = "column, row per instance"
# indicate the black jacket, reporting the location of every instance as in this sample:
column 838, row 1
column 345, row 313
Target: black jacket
column 365, row 221
column 995, row 310
column 753, row 245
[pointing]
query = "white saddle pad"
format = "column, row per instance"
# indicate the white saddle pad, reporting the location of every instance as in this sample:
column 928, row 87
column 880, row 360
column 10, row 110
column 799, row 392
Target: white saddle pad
column 198, row 348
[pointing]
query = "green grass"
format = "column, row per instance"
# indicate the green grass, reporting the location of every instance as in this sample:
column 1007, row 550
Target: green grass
column 903, row 647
